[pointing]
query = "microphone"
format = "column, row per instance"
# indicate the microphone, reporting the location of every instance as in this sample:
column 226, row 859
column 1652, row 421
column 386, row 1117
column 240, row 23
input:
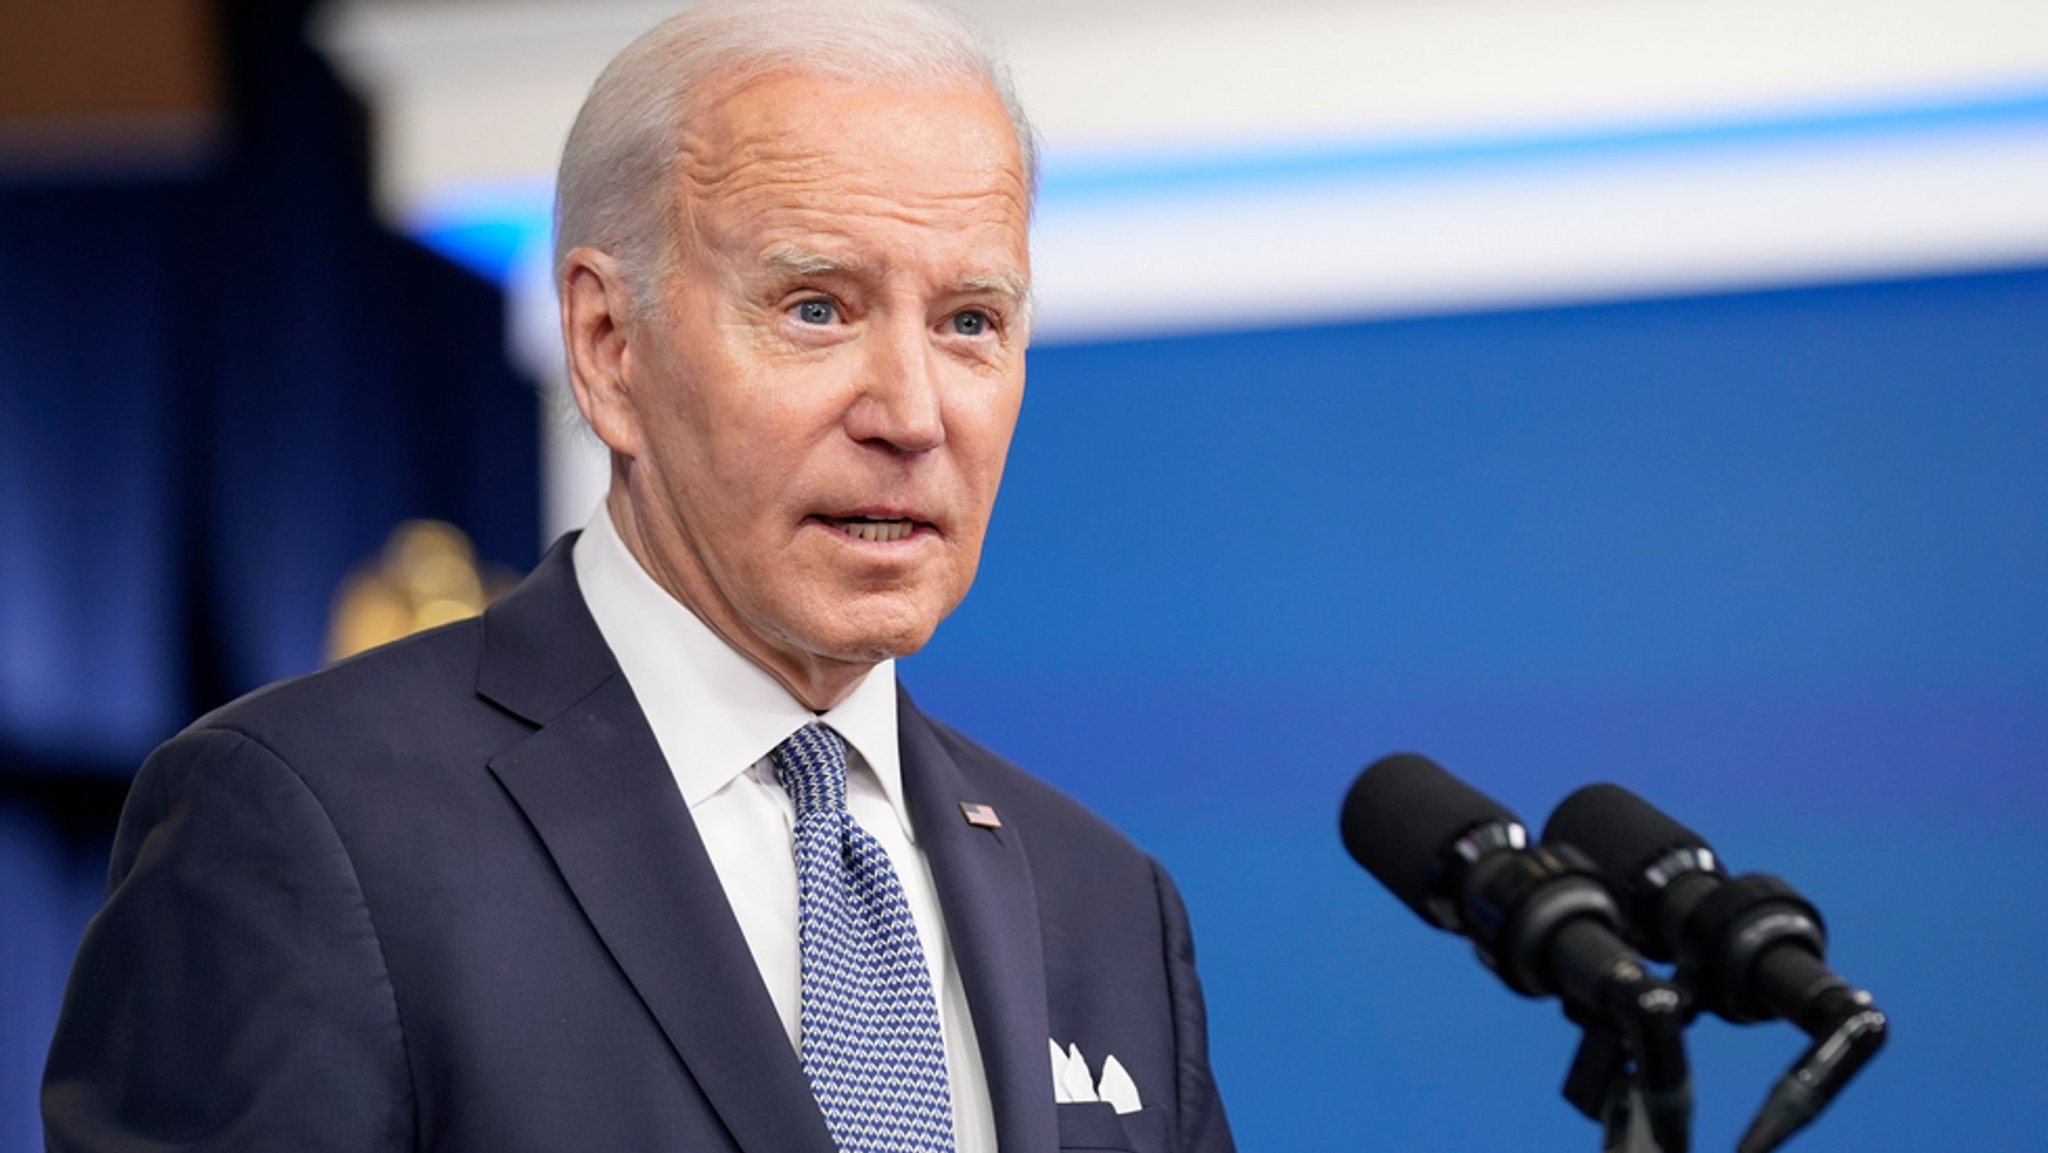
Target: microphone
column 1540, row 917
column 1751, row 948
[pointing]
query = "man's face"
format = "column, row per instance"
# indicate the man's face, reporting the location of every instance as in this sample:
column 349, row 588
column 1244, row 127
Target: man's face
column 821, row 399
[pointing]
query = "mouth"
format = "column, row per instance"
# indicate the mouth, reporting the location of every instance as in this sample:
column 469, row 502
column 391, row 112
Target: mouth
column 876, row 529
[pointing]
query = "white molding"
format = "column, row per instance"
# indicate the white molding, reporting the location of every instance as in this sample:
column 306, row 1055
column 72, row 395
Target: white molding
column 483, row 90
column 1734, row 216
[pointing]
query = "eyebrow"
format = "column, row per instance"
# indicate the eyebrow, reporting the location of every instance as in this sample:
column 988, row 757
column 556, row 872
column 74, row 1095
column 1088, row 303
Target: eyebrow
column 805, row 262
column 792, row 259
column 1010, row 284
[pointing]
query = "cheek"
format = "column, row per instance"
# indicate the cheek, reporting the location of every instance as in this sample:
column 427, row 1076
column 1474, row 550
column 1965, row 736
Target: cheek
column 751, row 475
column 986, row 434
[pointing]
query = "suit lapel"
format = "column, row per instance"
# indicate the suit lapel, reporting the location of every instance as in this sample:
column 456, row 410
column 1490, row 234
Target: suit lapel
column 991, row 911
column 593, row 784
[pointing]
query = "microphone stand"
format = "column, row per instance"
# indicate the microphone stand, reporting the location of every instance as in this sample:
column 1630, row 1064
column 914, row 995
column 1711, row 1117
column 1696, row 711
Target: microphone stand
column 1630, row 1072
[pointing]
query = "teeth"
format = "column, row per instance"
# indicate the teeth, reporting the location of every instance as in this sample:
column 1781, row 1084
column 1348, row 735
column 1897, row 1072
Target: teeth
column 879, row 531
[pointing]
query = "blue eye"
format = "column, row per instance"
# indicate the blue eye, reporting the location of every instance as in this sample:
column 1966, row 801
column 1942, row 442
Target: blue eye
column 816, row 312
column 970, row 323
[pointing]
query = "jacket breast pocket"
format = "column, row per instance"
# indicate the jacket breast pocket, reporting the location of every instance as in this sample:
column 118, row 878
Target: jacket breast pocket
column 1097, row 1125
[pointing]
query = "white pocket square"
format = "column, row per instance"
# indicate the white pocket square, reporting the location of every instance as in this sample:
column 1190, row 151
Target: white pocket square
column 1071, row 1083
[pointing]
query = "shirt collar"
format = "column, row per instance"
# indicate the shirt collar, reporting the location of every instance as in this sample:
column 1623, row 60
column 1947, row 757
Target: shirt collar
column 714, row 712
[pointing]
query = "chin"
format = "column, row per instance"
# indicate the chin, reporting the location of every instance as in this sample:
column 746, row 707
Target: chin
column 870, row 647
column 868, row 633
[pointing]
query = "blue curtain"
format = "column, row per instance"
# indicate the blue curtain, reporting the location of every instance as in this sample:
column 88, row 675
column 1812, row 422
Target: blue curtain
column 217, row 393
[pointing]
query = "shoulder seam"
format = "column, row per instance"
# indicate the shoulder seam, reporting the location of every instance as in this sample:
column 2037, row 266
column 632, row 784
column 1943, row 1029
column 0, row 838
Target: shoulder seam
column 1173, row 992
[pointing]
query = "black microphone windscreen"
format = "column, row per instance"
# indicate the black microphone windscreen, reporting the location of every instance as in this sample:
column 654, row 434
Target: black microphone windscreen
column 1401, row 814
column 1620, row 832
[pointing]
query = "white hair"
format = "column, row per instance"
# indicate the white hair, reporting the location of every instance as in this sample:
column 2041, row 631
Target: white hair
column 614, row 193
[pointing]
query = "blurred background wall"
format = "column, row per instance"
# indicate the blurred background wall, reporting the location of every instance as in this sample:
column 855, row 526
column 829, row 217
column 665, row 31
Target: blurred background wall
column 223, row 381
column 1570, row 390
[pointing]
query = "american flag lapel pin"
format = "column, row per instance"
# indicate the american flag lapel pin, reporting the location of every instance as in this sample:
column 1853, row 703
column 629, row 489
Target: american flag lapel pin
column 980, row 816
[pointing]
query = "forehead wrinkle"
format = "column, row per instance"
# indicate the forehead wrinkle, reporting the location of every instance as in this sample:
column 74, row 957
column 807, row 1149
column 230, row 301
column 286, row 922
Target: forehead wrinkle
column 799, row 190
column 710, row 171
column 818, row 202
column 732, row 164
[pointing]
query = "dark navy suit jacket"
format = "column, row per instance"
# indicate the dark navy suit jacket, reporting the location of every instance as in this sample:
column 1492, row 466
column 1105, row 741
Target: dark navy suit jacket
column 447, row 896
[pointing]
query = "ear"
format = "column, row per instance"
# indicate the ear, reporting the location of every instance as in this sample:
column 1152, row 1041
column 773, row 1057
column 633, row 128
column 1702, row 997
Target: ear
column 597, row 309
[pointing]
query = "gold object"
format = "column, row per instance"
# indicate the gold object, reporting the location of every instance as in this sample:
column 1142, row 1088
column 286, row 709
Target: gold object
column 426, row 576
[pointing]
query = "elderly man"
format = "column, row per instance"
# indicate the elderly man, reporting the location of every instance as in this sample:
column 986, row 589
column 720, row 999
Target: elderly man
column 656, row 855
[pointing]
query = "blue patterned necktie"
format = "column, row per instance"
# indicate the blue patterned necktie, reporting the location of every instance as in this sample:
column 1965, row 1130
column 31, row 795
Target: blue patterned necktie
column 871, row 1043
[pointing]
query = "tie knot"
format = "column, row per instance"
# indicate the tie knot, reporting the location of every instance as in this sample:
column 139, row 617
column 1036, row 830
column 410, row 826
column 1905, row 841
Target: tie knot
column 811, row 764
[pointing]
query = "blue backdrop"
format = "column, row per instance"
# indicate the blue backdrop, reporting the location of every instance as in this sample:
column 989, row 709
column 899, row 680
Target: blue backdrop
column 1777, row 561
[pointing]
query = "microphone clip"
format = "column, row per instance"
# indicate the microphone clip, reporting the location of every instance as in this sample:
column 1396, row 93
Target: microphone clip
column 1630, row 1073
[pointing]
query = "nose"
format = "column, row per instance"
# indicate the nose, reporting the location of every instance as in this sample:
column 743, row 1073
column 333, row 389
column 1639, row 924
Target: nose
column 900, row 405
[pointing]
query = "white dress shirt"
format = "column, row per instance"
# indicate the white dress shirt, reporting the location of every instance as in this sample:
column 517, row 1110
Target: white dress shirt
column 717, row 715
